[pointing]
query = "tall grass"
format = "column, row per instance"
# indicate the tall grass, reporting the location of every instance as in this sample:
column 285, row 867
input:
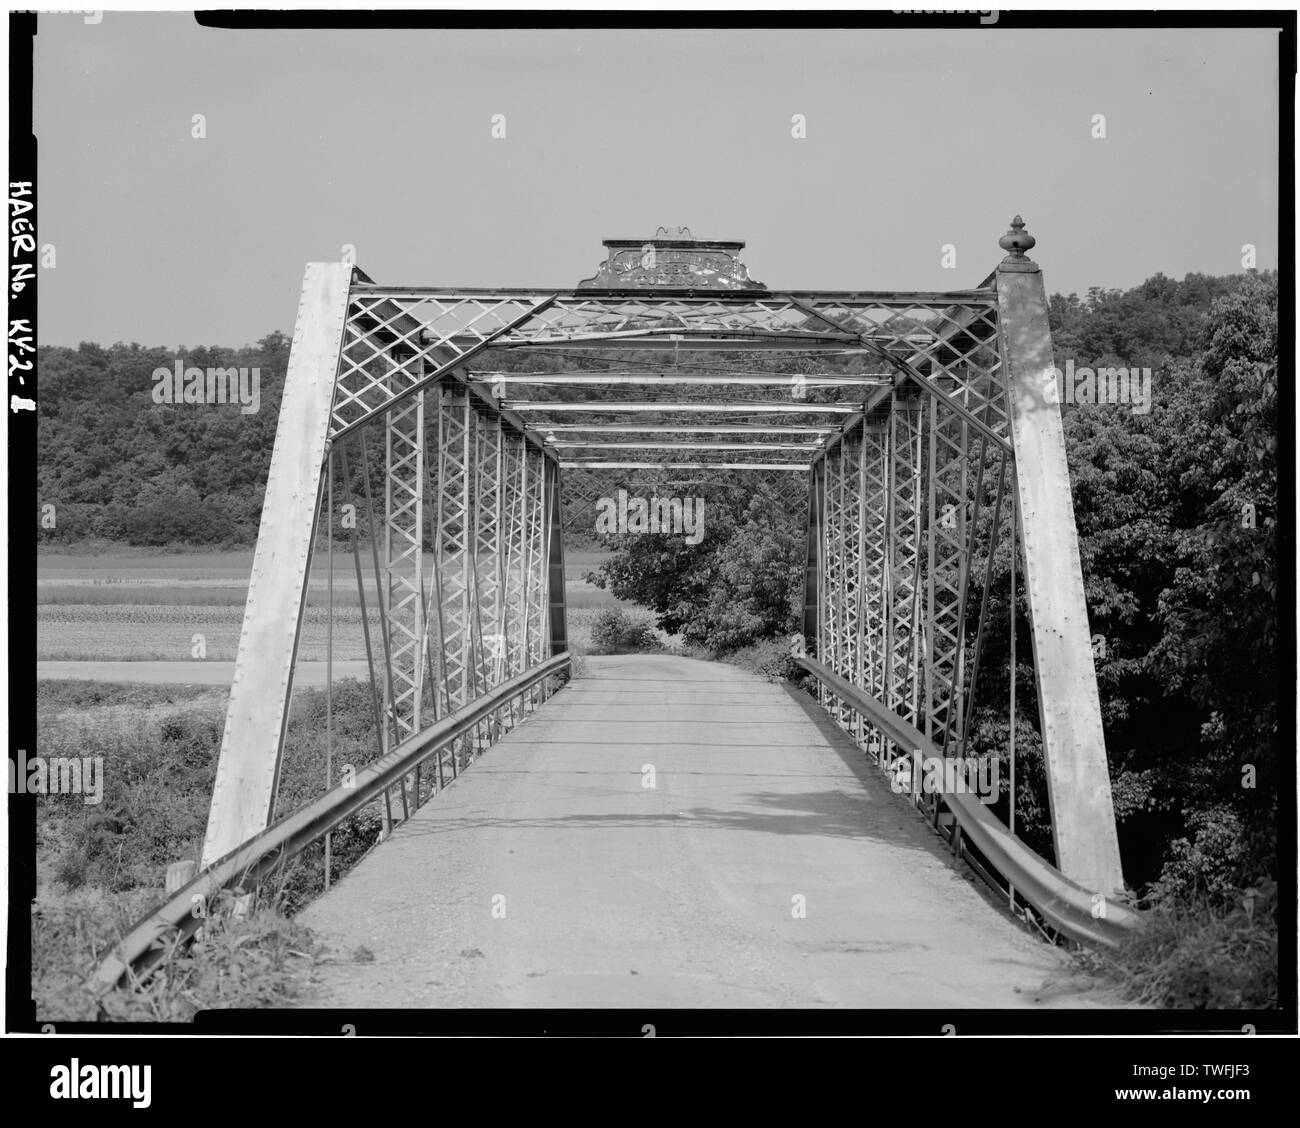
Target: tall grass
column 1215, row 954
column 100, row 867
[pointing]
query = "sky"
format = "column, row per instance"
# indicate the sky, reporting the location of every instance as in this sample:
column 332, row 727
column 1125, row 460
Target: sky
column 915, row 140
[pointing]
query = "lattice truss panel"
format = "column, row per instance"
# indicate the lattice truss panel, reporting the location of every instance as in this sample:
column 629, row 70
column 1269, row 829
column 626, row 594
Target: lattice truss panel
column 403, row 550
column 953, row 346
column 487, row 595
column 433, row 331
column 458, row 534
column 900, row 501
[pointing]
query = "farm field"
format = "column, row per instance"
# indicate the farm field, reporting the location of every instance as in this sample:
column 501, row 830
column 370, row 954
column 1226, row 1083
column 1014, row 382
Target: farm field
column 136, row 606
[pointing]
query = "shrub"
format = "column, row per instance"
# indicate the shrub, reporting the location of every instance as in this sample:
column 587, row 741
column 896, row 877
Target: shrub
column 615, row 631
column 739, row 584
column 1219, row 955
column 769, row 657
column 1210, row 864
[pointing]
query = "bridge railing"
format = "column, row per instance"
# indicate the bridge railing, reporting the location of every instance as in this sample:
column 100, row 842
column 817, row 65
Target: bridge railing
column 999, row 857
column 181, row 915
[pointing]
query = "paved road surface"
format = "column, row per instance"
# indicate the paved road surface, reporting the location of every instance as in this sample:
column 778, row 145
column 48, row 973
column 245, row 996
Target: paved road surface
column 187, row 673
column 608, row 893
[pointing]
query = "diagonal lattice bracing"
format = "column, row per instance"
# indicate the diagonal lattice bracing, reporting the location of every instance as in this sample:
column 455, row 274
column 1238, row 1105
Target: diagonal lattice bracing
column 536, row 593
column 946, row 547
column 452, row 547
column 874, row 532
column 513, row 550
column 487, row 521
column 903, row 558
column 830, row 632
column 404, row 560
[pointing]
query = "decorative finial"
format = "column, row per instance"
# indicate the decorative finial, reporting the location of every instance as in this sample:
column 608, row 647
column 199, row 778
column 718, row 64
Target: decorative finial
column 1016, row 242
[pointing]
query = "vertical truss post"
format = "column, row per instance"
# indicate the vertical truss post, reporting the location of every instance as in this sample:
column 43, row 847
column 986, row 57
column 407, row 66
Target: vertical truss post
column 1074, row 750
column 812, row 566
column 858, row 532
column 945, row 573
column 902, row 656
column 454, row 546
column 248, row 765
column 434, row 617
column 874, row 549
column 486, row 544
column 497, row 617
column 850, row 522
column 387, row 725
column 453, row 542
column 511, row 609
column 404, row 553
column 826, row 638
column 514, row 508
column 536, row 591
column 555, row 571
column 832, row 572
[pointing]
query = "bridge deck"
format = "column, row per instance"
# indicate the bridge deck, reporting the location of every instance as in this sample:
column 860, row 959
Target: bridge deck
column 616, row 894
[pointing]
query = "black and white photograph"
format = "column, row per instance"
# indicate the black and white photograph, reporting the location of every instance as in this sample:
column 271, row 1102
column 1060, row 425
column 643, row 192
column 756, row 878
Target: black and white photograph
column 651, row 523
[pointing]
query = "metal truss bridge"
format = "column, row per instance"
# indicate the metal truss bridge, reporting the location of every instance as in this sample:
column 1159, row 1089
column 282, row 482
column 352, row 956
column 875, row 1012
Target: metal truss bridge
column 448, row 436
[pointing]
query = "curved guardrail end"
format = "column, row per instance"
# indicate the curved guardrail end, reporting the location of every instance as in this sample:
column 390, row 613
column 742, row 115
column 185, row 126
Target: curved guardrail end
column 1075, row 912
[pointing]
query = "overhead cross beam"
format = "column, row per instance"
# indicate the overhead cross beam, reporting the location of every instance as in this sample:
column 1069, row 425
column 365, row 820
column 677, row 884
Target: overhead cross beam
column 686, row 428
column 684, row 446
column 582, row 464
column 613, row 407
column 759, row 379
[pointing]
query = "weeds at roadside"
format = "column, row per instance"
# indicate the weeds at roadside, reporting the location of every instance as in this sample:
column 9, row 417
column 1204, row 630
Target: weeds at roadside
column 1199, row 954
column 261, row 960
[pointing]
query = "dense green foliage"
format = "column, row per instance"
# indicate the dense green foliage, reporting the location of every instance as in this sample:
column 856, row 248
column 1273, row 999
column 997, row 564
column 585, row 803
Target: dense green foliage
column 1181, row 584
column 117, row 465
column 736, row 585
column 1177, row 516
column 616, row 631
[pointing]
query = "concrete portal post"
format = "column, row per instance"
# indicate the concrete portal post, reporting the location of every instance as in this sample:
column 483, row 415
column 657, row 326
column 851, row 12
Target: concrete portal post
column 1074, row 749
column 248, row 765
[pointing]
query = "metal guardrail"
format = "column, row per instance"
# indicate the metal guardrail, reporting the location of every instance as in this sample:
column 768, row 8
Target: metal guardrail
column 1062, row 903
column 274, row 846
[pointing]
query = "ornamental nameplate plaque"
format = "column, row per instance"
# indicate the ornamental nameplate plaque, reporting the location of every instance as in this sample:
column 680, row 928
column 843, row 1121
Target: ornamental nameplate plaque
column 672, row 259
